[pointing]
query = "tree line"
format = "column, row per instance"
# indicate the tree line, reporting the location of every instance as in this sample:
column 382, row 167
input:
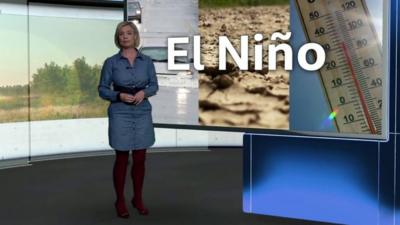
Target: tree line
column 68, row 84
column 14, row 90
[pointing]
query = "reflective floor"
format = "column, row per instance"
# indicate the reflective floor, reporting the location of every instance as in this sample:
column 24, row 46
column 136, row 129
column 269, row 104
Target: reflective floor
column 203, row 187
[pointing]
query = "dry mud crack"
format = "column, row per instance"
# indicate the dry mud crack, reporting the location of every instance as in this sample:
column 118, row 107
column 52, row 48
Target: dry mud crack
column 256, row 99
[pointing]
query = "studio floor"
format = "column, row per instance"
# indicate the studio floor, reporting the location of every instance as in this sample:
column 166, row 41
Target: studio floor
column 181, row 187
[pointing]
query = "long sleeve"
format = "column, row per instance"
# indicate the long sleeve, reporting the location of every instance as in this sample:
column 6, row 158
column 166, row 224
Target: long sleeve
column 152, row 87
column 104, row 87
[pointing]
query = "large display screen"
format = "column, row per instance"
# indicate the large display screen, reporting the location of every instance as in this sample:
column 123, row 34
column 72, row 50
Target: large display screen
column 345, row 97
column 262, row 84
column 349, row 94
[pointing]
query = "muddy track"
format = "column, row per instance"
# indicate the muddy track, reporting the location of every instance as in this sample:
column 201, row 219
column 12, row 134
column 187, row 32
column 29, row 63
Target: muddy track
column 256, row 99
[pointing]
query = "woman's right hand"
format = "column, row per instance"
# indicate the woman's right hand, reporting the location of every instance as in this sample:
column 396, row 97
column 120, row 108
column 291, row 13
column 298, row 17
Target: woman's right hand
column 128, row 98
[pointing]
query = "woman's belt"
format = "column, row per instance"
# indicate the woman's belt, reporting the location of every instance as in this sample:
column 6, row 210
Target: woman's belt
column 127, row 90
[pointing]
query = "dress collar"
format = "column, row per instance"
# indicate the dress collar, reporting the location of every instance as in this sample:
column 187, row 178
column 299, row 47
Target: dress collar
column 139, row 54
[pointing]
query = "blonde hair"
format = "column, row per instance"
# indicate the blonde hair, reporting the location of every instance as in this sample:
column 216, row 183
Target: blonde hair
column 122, row 24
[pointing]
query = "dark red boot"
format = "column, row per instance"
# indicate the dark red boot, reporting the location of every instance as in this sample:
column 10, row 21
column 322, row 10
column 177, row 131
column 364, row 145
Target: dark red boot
column 119, row 176
column 137, row 173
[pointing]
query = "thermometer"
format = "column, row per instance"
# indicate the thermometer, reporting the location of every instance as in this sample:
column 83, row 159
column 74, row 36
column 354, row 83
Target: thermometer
column 352, row 76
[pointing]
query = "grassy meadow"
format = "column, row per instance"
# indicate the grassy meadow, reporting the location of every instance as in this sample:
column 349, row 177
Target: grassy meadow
column 15, row 109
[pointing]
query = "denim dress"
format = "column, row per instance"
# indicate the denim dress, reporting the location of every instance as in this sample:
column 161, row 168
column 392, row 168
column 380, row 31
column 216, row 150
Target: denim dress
column 130, row 127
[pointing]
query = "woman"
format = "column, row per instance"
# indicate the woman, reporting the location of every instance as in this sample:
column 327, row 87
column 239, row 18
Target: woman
column 133, row 78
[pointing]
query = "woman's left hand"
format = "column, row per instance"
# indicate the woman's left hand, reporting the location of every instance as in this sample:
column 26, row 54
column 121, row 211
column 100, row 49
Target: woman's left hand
column 138, row 98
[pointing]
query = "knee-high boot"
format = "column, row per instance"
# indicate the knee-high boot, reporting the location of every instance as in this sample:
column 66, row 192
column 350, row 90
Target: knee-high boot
column 137, row 173
column 119, row 177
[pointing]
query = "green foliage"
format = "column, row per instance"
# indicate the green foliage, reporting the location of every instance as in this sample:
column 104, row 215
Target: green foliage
column 68, row 85
column 88, row 79
column 51, row 79
column 231, row 3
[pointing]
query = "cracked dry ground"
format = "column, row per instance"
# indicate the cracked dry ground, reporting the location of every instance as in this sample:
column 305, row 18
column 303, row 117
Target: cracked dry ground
column 254, row 99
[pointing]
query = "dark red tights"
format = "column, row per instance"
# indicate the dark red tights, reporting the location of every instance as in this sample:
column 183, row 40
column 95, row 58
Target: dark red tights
column 137, row 174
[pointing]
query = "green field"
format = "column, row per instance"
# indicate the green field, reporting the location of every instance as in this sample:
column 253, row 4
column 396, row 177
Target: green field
column 232, row 3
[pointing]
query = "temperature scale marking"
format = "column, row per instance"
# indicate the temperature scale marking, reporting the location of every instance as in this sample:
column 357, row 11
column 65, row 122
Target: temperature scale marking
column 352, row 76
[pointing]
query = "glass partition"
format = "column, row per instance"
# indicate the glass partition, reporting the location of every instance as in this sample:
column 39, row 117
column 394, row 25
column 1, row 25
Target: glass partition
column 68, row 45
column 14, row 91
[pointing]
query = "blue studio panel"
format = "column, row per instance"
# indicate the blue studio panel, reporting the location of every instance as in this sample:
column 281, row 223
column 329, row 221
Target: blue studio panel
column 328, row 180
